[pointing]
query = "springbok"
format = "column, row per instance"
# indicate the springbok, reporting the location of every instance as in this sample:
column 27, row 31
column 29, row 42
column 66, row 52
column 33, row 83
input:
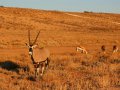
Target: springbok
column 103, row 48
column 39, row 56
column 82, row 50
column 115, row 48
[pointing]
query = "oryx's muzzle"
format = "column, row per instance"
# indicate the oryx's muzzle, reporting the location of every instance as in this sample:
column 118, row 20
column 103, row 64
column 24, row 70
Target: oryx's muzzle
column 30, row 51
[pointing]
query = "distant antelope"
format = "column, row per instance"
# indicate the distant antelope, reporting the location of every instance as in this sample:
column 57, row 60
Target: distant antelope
column 115, row 48
column 103, row 48
column 82, row 50
column 39, row 56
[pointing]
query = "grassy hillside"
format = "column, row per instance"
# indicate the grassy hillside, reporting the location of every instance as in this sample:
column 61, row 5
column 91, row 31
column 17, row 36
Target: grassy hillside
column 61, row 33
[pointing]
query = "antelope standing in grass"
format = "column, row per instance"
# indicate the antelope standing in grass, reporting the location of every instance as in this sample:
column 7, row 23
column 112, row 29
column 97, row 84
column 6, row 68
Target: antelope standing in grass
column 103, row 48
column 82, row 50
column 39, row 56
column 115, row 48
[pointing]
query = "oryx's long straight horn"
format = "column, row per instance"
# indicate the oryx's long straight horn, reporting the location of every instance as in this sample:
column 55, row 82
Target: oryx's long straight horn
column 36, row 38
column 29, row 36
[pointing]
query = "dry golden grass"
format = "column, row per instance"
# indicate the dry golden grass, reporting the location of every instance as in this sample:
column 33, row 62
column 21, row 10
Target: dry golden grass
column 65, row 72
column 61, row 33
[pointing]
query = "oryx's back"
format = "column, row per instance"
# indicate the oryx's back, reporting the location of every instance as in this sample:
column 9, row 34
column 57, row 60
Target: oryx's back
column 40, row 54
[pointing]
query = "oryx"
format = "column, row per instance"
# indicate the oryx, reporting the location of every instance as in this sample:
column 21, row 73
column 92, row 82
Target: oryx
column 115, row 48
column 81, row 49
column 39, row 56
column 103, row 48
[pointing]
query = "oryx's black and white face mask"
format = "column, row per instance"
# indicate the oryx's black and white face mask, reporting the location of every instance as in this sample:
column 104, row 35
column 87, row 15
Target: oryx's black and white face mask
column 31, row 47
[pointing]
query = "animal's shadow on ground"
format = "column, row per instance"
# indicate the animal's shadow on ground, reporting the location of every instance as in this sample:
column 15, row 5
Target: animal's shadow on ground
column 31, row 78
column 10, row 66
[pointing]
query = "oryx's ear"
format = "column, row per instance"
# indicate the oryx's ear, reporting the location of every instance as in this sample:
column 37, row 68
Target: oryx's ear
column 27, row 44
column 34, row 46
